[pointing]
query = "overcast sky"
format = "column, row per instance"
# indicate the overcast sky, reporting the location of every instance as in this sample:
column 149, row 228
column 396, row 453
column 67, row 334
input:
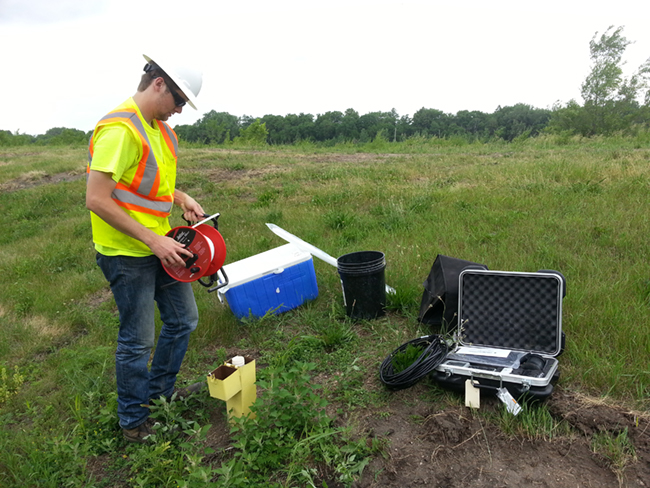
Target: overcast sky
column 65, row 63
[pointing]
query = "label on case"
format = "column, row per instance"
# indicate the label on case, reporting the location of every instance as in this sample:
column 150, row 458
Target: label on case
column 511, row 404
column 483, row 351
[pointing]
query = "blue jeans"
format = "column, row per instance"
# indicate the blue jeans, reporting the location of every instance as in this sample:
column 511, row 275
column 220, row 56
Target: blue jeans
column 136, row 283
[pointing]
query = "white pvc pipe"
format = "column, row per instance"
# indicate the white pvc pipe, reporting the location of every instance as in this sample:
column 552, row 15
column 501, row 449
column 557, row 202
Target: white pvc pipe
column 313, row 250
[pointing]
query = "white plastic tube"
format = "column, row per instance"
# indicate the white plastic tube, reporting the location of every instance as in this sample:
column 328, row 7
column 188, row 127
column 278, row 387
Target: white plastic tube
column 313, row 250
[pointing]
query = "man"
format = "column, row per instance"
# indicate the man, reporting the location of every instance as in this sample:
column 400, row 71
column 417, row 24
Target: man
column 131, row 181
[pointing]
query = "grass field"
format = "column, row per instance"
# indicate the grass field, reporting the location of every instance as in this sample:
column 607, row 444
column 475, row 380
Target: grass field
column 577, row 206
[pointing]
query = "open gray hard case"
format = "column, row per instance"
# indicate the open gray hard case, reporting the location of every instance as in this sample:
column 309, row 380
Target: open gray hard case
column 509, row 332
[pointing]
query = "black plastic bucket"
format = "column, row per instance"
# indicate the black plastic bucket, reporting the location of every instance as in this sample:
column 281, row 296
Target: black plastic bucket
column 364, row 283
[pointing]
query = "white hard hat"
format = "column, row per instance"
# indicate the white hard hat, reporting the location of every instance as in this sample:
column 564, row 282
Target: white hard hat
column 188, row 79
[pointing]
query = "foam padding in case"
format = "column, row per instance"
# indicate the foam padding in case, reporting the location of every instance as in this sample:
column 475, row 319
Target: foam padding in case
column 513, row 311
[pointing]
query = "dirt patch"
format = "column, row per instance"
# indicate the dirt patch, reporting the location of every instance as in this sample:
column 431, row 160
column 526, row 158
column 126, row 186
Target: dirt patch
column 37, row 178
column 96, row 299
column 352, row 158
column 220, row 175
column 456, row 447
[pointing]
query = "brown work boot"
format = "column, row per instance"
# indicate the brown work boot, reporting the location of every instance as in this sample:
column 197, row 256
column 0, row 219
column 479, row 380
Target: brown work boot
column 140, row 433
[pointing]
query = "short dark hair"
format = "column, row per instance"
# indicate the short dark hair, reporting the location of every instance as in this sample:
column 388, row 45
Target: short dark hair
column 151, row 72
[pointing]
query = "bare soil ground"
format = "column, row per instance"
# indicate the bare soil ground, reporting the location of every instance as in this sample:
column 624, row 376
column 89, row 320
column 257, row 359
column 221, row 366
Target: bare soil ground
column 36, row 178
column 455, row 447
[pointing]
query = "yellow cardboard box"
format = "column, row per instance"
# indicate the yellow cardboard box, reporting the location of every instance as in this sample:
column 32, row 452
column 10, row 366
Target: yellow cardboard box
column 224, row 382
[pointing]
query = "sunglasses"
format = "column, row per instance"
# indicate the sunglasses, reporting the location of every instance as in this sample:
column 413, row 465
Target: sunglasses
column 152, row 68
column 178, row 100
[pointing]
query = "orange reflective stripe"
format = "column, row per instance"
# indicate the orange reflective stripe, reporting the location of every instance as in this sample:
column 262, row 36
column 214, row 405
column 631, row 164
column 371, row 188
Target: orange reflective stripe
column 137, row 208
column 91, row 151
column 161, row 198
column 156, row 185
column 157, row 205
column 167, row 134
column 142, row 164
column 91, row 148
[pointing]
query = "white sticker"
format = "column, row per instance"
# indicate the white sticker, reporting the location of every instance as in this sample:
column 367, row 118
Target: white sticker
column 483, row 351
column 511, row 404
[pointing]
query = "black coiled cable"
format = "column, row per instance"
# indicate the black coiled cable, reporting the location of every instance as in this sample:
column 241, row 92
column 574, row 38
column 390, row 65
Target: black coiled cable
column 435, row 350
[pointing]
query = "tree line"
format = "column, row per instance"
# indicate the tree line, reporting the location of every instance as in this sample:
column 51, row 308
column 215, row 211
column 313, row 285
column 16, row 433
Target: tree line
column 612, row 103
column 214, row 127
column 505, row 123
column 57, row 136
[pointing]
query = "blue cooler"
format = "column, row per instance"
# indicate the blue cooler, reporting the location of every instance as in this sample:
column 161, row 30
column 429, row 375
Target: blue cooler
column 273, row 281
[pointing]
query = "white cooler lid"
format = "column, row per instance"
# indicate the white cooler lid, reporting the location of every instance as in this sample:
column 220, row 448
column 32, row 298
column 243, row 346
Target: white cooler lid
column 254, row 267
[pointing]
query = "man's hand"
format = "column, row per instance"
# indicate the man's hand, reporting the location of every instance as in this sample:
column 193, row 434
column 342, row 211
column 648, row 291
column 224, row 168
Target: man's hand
column 192, row 211
column 170, row 251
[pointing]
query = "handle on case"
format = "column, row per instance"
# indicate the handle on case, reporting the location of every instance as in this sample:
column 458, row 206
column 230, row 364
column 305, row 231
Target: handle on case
column 483, row 387
column 525, row 386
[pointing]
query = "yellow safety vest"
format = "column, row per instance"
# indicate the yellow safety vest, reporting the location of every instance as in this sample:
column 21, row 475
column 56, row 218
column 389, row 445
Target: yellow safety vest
column 138, row 194
column 141, row 194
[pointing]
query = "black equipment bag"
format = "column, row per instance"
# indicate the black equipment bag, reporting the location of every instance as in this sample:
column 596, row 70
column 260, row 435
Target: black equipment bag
column 439, row 306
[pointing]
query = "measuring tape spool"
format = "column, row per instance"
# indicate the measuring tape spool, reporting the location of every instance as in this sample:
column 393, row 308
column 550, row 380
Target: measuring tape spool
column 208, row 249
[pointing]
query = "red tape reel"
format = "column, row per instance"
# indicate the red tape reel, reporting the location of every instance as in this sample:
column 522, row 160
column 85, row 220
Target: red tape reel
column 208, row 249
